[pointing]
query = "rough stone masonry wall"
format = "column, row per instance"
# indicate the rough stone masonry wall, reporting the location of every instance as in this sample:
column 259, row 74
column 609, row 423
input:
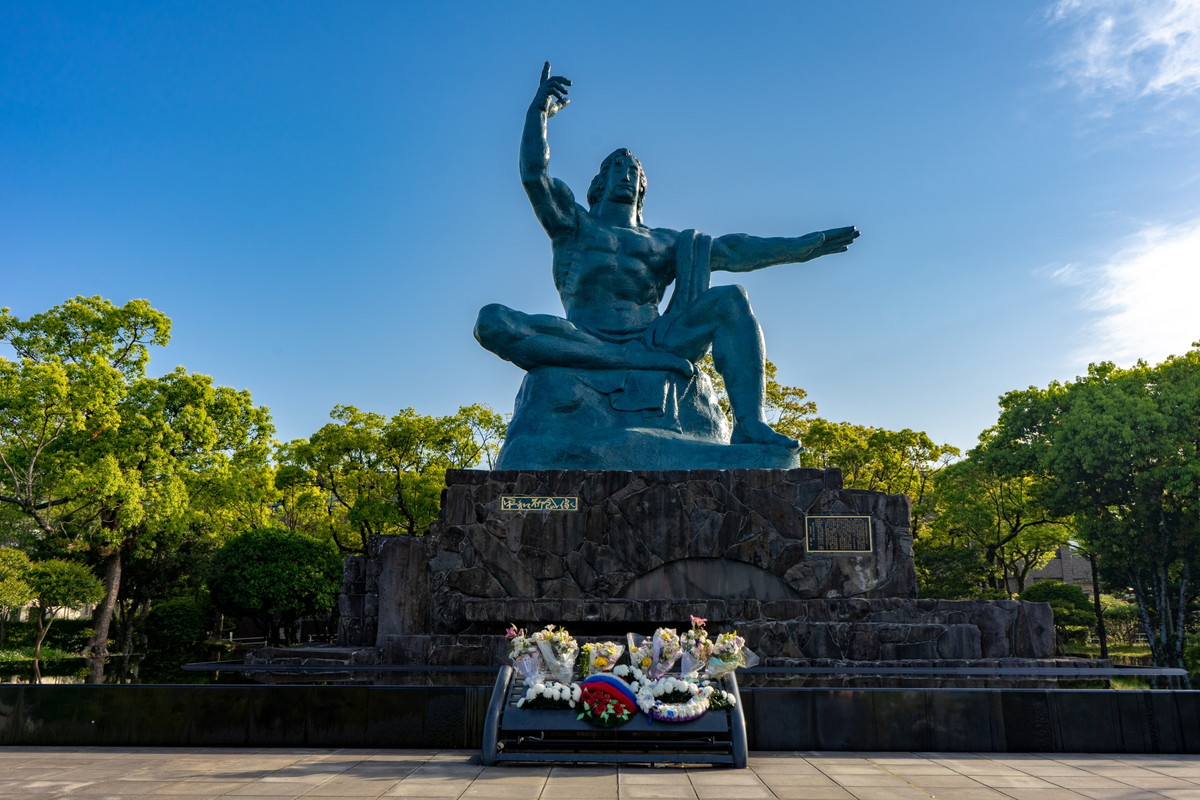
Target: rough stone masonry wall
column 651, row 548
column 699, row 534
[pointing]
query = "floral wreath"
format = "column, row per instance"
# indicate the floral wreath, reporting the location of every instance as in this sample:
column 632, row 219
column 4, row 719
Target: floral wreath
column 610, row 696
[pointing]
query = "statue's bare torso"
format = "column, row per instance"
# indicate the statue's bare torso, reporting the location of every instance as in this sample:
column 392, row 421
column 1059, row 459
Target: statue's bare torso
column 612, row 279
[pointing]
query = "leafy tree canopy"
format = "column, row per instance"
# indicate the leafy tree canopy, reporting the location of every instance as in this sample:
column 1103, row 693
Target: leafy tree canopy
column 365, row 474
column 1117, row 450
column 275, row 577
column 97, row 457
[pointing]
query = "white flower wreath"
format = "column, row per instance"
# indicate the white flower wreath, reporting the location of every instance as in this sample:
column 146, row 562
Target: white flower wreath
column 552, row 692
column 648, row 693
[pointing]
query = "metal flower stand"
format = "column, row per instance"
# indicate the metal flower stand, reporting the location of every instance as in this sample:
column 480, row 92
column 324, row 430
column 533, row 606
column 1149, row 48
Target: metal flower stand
column 544, row 735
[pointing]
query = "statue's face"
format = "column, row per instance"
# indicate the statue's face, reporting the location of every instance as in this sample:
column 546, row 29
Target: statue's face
column 623, row 178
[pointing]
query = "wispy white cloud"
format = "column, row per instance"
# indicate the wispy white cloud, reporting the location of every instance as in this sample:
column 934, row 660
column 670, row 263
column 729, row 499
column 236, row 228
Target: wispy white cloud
column 1146, row 297
column 1131, row 49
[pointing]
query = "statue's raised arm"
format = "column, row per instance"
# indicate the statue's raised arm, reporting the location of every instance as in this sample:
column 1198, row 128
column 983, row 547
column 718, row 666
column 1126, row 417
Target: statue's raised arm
column 552, row 200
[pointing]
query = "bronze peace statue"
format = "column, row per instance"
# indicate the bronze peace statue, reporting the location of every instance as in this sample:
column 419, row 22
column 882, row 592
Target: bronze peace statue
column 614, row 386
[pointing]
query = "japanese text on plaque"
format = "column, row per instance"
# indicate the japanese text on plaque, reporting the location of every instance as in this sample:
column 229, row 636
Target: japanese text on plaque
column 838, row 534
column 517, row 503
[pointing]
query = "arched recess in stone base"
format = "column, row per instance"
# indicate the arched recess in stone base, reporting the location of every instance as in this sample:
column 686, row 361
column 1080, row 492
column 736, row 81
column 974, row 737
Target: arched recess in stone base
column 709, row 579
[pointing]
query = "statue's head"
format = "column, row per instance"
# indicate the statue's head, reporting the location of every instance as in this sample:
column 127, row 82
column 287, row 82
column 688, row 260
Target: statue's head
column 600, row 184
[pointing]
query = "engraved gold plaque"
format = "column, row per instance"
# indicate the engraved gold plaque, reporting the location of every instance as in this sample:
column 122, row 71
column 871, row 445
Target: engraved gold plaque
column 519, row 503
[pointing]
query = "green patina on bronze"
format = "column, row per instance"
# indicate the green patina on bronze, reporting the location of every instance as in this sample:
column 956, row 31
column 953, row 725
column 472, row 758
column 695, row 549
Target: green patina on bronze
column 614, row 385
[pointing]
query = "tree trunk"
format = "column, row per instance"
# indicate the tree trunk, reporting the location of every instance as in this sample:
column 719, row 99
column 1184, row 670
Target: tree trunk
column 43, row 622
column 1139, row 594
column 1101, row 631
column 102, row 619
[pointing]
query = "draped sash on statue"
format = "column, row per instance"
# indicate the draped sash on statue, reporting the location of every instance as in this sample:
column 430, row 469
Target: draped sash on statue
column 648, row 390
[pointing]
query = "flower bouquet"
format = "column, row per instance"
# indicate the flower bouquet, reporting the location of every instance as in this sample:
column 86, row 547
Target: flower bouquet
column 695, row 648
column 525, row 656
column 599, row 657
column 655, row 656
column 559, row 651
column 728, row 653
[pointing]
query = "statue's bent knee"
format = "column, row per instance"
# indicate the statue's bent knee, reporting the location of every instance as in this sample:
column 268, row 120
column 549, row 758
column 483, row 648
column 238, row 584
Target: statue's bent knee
column 733, row 296
column 493, row 325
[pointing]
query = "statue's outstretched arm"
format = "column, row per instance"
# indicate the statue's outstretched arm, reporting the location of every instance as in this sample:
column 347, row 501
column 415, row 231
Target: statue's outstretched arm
column 552, row 200
column 739, row 252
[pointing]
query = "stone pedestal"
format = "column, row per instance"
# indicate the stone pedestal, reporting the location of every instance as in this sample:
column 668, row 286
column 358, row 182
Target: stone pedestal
column 646, row 537
column 605, row 552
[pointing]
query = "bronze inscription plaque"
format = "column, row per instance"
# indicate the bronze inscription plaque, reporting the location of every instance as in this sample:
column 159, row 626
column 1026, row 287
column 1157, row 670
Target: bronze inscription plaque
column 838, row 534
column 517, row 503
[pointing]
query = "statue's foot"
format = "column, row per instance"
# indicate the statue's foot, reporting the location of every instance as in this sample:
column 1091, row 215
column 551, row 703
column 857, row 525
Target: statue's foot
column 758, row 432
column 639, row 358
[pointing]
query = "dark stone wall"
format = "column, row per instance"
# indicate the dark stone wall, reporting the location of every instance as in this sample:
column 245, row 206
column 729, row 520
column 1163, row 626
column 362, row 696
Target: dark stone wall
column 945, row 720
column 645, row 549
column 698, row 534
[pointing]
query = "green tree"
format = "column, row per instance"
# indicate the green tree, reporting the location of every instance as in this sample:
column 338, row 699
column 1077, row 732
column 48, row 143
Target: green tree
column 275, row 577
column 175, row 631
column 949, row 571
column 877, row 459
column 366, row 475
column 1117, row 449
column 1122, row 618
column 880, row 460
column 59, row 585
column 15, row 591
column 100, row 457
column 997, row 516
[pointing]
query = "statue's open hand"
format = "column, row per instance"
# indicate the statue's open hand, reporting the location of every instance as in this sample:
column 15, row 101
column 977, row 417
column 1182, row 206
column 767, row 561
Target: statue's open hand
column 551, row 95
column 834, row 240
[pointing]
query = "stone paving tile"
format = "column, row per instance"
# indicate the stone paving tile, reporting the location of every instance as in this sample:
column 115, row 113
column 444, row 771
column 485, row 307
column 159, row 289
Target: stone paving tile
column 429, row 787
column 856, row 779
column 798, row 768
column 724, row 777
column 348, row 790
column 1018, row 793
column 209, row 787
column 1128, row 793
column 970, row 794
column 950, row 781
column 502, row 790
column 280, row 789
column 811, row 793
column 128, row 787
column 652, row 778
column 814, row 781
column 1095, row 782
column 370, row 773
column 733, row 792
column 1015, row 781
column 919, row 771
column 887, row 793
column 652, row 791
column 1160, row 782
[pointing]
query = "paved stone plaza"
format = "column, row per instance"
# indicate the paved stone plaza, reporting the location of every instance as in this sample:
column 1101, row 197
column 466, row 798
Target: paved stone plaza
column 35, row 773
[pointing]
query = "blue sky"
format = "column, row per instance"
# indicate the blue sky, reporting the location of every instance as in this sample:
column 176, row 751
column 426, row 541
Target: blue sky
column 321, row 196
